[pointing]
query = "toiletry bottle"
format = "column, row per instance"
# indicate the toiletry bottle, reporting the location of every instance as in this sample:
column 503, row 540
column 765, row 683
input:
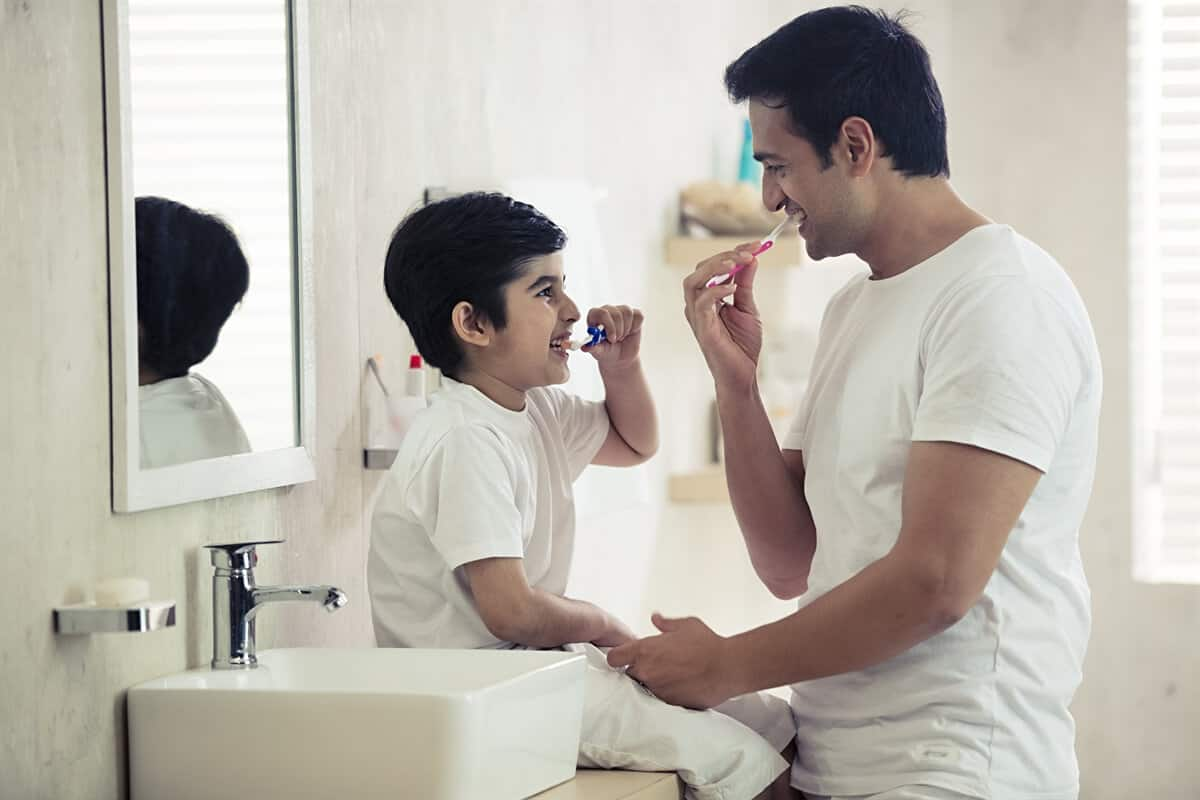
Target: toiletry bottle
column 407, row 406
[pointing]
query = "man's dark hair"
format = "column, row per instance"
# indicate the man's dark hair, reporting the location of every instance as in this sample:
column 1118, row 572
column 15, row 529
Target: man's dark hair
column 850, row 61
column 191, row 273
column 464, row 248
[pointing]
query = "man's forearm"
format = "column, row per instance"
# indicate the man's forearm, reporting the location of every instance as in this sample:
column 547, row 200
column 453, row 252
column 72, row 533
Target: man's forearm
column 878, row 614
column 630, row 407
column 767, row 500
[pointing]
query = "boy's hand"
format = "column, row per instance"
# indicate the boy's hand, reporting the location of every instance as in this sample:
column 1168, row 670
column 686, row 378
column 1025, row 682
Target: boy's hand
column 623, row 328
column 617, row 634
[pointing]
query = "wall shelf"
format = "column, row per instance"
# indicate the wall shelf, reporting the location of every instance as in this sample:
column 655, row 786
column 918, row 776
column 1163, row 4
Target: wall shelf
column 688, row 251
column 704, row 485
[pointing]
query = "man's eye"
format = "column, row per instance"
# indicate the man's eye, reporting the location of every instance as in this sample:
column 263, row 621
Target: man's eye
column 546, row 292
column 775, row 169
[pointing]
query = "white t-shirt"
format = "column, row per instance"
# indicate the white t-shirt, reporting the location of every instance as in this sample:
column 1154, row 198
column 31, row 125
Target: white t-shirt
column 186, row 419
column 475, row 480
column 986, row 343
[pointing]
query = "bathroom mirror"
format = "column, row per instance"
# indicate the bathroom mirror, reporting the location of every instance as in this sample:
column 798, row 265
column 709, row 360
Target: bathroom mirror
column 211, row 335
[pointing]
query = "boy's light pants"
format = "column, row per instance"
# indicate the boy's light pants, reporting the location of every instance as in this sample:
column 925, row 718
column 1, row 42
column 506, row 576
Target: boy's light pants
column 727, row 753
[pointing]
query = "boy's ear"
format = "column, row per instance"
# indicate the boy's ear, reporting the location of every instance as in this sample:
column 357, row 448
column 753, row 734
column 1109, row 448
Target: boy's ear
column 470, row 325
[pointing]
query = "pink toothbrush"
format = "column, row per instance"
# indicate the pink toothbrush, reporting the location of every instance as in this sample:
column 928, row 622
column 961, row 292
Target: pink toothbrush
column 766, row 245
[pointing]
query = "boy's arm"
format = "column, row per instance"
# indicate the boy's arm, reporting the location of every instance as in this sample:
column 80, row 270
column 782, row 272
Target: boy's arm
column 633, row 436
column 516, row 612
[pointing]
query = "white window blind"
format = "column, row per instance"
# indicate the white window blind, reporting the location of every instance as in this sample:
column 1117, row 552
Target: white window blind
column 211, row 127
column 1164, row 102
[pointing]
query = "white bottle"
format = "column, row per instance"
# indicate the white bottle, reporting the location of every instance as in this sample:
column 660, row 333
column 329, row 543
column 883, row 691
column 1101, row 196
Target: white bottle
column 402, row 409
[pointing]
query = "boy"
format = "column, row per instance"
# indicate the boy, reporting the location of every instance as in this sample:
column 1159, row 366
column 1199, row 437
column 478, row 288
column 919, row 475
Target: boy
column 191, row 274
column 472, row 535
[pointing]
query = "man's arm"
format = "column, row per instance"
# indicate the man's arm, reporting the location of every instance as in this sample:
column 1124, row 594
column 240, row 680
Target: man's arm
column 766, row 488
column 959, row 505
column 516, row 612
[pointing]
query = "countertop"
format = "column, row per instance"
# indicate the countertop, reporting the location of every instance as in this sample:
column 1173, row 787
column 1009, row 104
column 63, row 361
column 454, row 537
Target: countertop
column 601, row 784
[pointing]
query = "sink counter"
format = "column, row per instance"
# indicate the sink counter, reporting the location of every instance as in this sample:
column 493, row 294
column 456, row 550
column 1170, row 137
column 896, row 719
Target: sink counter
column 600, row 784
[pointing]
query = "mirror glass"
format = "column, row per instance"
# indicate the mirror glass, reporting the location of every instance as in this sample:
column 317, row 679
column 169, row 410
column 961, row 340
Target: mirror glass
column 211, row 160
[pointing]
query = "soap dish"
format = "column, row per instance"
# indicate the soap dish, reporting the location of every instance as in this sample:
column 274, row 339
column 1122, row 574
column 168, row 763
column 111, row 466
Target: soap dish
column 143, row 616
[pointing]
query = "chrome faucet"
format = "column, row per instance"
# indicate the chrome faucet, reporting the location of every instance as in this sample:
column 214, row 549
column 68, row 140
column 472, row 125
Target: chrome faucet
column 236, row 601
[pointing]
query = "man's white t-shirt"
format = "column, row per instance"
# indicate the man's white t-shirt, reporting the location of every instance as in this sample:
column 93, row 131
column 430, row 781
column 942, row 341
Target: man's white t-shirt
column 186, row 419
column 986, row 343
column 474, row 480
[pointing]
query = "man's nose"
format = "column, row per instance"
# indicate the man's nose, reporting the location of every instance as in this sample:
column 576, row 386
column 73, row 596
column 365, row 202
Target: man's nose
column 773, row 196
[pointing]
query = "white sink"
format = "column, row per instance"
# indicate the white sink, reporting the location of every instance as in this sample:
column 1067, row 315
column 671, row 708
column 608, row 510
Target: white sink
column 364, row 724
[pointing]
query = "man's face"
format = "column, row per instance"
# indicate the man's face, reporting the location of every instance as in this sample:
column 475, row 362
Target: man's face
column 795, row 179
column 527, row 352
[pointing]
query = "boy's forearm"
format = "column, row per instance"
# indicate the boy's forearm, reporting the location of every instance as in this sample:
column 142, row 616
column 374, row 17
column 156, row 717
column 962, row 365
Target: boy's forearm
column 551, row 621
column 630, row 406
column 770, row 507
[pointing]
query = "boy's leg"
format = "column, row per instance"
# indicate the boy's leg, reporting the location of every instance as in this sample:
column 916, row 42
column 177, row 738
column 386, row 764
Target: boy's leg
column 624, row 726
column 771, row 718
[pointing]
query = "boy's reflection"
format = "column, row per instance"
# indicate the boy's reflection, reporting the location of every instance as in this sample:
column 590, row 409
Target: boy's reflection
column 190, row 274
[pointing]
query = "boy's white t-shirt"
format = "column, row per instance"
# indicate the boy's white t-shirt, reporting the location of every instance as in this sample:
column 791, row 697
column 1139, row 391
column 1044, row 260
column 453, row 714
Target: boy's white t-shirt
column 474, row 480
column 986, row 343
column 186, row 419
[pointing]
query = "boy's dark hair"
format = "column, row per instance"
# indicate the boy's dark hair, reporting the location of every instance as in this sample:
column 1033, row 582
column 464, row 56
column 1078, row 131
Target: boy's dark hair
column 190, row 274
column 849, row 61
column 464, row 248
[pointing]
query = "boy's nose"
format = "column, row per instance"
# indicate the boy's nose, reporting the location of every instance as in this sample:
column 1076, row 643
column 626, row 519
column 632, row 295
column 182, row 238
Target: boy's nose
column 570, row 311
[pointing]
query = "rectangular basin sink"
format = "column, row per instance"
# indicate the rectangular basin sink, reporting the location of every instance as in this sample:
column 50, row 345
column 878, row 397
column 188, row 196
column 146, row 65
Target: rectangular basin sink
column 361, row 723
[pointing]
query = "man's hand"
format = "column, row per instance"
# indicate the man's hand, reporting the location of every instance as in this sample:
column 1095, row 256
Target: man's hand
column 623, row 335
column 684, row 665
column 729, row 334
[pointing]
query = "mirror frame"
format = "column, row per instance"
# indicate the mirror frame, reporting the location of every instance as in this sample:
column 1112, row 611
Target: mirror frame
column 135, row 489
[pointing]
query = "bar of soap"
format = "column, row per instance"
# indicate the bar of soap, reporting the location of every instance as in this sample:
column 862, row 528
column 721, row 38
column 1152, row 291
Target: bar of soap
column 122, row 591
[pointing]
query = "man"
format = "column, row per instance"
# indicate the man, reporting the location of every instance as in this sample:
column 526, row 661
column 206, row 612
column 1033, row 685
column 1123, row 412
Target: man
column 927, row 501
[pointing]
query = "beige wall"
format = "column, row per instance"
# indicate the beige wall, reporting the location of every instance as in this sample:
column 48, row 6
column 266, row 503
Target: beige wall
column 1038, row 140
column 405, row 95
column 61, row 698
column 463, row 94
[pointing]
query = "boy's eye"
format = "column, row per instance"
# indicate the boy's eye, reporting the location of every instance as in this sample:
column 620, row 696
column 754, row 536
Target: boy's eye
column 775, row 169
column 549, row 290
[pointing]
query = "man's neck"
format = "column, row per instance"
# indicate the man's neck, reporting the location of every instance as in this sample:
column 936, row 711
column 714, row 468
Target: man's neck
column 917, row 218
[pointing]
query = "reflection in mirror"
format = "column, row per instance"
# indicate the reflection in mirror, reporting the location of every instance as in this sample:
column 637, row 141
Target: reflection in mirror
column 210, row 272
column 190, row 274
column 210, row 130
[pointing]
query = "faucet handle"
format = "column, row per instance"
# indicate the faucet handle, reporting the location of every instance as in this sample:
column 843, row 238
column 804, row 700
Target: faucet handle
column 237, row 555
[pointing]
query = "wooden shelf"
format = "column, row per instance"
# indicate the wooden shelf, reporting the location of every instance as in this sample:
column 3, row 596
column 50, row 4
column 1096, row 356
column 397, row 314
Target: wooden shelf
column 688, row 251
column 705, row 485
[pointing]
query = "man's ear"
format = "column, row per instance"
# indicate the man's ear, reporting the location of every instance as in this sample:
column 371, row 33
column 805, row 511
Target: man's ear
column 471, row 326
column 858, row 145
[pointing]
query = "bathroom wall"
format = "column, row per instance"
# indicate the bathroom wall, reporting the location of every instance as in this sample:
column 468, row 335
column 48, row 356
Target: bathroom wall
column 1038, row 140
column 406, row 95
column 61, row 698
column 1036, row 100
column 622, row 95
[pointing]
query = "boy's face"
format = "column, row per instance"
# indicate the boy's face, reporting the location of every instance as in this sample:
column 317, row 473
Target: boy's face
column 526, row 352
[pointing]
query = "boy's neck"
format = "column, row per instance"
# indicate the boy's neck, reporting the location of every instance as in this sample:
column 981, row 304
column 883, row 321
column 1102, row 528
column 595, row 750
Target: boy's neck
column 493, row 388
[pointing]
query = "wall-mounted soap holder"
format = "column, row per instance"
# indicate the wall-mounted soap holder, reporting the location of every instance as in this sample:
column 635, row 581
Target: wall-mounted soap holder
column 85, row 618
